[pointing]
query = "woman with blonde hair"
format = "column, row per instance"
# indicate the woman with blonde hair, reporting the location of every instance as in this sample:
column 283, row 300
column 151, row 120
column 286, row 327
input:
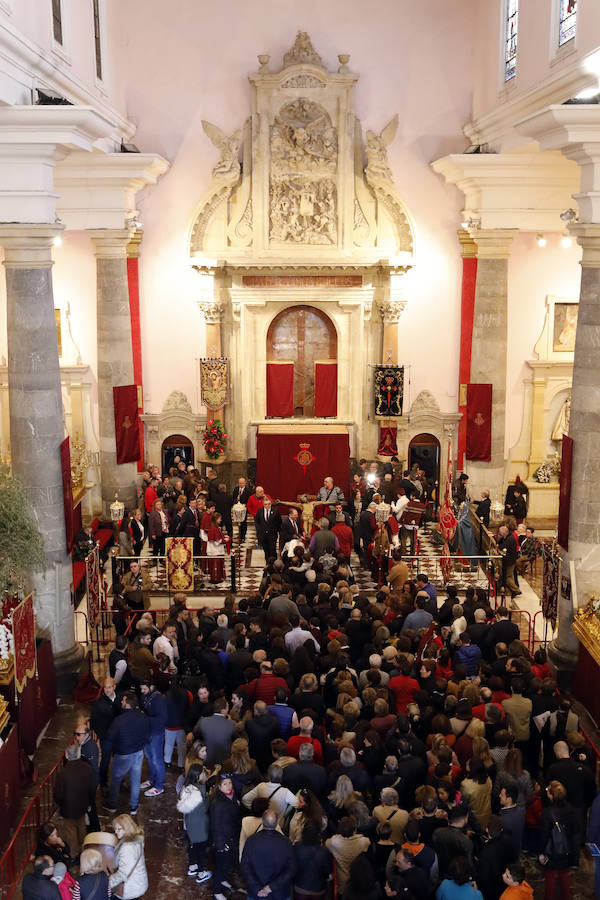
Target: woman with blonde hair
column 464, row 744
column 481, row 753
column 93, row 880
column 345, row 801
column 243, row 769
column 130, row 878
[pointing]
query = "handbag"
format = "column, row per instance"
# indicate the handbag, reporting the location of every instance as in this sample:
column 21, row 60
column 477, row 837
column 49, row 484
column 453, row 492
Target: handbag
column 119, row 888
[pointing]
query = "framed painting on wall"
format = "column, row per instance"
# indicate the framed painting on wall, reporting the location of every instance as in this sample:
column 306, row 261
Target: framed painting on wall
column 564, row 327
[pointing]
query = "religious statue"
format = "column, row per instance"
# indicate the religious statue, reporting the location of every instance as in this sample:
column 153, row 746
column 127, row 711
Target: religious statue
column 376, row 146
column 228, row 163
column 561, row 426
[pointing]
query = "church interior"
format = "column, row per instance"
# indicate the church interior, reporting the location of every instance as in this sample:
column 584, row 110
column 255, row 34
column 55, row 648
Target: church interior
column 261, row 246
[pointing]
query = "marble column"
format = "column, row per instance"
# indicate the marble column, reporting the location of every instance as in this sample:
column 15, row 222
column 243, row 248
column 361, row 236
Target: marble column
column 115, row 359
column 36, row 421
column 488, row 354
column 584, row 429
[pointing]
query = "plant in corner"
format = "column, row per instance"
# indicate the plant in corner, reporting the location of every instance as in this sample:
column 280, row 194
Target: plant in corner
column 21, row 544
column 213, row 439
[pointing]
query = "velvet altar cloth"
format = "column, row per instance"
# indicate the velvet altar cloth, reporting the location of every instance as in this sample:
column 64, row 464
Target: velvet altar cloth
column 127, row 423
column 326, row 372
column 280, row 390
column 291, row 463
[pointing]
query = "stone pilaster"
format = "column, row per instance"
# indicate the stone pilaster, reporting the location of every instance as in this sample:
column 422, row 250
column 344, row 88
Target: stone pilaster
column 488, row 355
column 391, row 312
column 36, row 419
column 115, row 360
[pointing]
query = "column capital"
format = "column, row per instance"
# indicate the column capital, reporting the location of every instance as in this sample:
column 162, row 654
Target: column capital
column 588, row 238
column 133, row 247
column 212, row 311
column 493, row 243
column 28, row 246
column 391, row 311
column 110, row 243
column 468, row 247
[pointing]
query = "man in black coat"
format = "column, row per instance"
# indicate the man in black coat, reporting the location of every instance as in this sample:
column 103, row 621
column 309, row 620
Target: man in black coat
column 261, row 730
column 103, row 711
column 238, row 661
column 74, row 792
column 366, row 530
column 291, row 528
column 268, row 861
column 223, row 504
column 507, row 544
column 483, row 508
column 268, row 526
column 305, row 773
column 241, row 494
column 503, row 631
column 38, row 885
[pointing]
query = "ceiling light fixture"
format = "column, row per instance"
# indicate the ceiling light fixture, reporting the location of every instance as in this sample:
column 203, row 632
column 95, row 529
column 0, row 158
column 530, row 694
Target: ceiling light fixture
column 569, row 215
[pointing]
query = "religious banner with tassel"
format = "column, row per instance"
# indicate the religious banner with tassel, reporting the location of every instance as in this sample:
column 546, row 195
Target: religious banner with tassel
column 448, row 521
column 23, row 628
column 214, row 383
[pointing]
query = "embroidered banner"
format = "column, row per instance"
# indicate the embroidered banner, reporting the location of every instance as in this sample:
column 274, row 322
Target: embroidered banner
column 326, row 372
column 65, row 466
column 564, row 501
column 180, row 563
column 479, row 422
column 23, row 626
column 127, row 429
column 388, row 388
column 550, row 582
column 214, row 383
column 280, row 389
column 92, row 571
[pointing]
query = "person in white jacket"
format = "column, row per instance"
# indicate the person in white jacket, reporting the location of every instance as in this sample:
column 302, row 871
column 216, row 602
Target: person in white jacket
column 129, row 859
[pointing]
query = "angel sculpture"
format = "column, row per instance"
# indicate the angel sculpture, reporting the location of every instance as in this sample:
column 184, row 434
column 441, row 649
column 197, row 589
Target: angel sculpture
column 229, row 163
column 377, row 160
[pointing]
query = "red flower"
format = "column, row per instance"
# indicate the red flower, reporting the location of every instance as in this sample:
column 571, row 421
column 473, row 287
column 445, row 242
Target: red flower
column 221, row 450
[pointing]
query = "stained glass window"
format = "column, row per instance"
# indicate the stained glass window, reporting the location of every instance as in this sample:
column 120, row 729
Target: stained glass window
column 57, row 21
column 510, row 39
column 97, row 38
column 567, row 22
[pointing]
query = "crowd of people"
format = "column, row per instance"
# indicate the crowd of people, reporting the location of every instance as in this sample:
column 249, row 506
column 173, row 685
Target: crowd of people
column 395, row 745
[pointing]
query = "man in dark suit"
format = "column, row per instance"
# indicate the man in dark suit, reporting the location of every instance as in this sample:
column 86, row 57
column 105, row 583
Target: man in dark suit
column 241, row 494
column 338, row 515
column 291, row 528
column 366, row 530
column 218, row 732
column 189, row 525
column 305, row 773
column 223, row 504
column 212, row 484
column 268, row 526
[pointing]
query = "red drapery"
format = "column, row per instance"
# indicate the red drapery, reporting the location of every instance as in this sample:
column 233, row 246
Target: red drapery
column 133, row 281
column 127, row 428
column 479, row 422
column 292, row 464
column 65, row 465
column 325, row 388
column 469, row 278
column 23, row 625
column 280, row 390
column 565, row 492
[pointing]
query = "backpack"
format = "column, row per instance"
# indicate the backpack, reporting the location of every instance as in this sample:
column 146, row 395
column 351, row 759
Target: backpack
column 558, row 842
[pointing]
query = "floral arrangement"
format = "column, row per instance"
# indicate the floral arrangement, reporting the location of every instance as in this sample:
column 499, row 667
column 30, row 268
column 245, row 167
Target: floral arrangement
column 7, row 647
column 213, row 438
column 543, row 474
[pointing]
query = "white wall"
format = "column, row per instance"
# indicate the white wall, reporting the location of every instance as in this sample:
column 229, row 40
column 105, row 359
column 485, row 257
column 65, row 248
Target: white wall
column 538, row 56
column 413, row 59
column 533, row 273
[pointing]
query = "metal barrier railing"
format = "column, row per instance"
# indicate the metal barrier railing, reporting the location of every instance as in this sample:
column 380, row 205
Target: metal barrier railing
column 471, row 569
column 15, row 858
column 209, row 573
column 80, row 612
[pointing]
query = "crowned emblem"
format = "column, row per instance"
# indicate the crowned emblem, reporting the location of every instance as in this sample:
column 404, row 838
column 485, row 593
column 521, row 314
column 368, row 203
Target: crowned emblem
column 304, row 457
column 126, row 422
column 479, row 420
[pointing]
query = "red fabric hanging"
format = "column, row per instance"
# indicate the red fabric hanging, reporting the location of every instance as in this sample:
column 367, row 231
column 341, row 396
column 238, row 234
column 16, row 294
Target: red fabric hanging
column 127, row 429
column 564, row 501
column 280, row 390
column 65, row 465
column 479, row 422
column 296, row 463
column 325, row 389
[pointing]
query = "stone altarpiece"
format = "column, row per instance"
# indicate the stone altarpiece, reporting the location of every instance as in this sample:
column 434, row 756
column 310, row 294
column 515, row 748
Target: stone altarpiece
column 301, row 211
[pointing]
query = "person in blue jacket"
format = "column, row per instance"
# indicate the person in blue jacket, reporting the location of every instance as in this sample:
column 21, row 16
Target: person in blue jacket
column 125, row 739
